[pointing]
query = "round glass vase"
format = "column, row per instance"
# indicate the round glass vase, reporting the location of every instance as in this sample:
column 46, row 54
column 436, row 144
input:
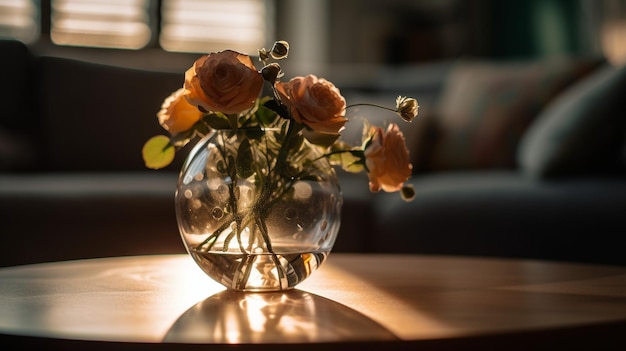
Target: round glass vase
column 254, row 213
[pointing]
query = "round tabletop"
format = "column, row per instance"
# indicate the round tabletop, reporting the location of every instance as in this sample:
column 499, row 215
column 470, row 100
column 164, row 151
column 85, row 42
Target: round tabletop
column 358, row 299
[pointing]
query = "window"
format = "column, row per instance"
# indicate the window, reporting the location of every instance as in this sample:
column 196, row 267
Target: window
column 210, row 25
column 613, row 32
column 193, row 26
column 100, row 23
column 19, row 19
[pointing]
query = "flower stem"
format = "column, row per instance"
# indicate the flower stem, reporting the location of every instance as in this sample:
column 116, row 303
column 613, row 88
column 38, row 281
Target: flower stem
column 371, row 105
column 357, row 153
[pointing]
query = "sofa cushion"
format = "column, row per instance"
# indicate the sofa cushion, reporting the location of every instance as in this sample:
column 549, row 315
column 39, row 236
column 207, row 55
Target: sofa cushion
column 503, row 213
column 97, row 117
column 14, row 85
column 580, row 132
column 63, row 216
column 17, row 151
column 486, row 107
column 17, row 135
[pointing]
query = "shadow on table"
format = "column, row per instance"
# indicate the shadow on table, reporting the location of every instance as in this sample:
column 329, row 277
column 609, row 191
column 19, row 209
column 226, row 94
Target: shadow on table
column 283, row 317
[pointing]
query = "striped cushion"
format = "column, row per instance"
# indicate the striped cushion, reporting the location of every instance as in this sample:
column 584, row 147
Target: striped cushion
column 486, row 107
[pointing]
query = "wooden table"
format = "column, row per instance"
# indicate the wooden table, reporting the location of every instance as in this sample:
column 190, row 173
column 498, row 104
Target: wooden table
column 353, row 300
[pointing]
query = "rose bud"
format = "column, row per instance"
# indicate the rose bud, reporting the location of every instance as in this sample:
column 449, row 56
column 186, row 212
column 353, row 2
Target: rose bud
column 271, row 72
column 280, row 50
column 406, row 108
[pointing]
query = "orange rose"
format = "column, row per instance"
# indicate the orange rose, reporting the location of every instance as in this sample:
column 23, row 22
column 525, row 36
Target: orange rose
column 225, row 81
column 177, row 114
column 387, row 159
column 315, row 102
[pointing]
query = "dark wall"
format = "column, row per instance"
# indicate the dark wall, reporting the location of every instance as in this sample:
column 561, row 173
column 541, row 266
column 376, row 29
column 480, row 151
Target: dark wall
column 530, row 28
column 410, row 31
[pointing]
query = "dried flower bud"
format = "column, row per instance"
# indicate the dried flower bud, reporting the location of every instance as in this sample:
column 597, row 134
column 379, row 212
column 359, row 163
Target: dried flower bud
column 406, row 108
column 407, row 192
column 263, row 55
column 280, row 50
column 271, row 72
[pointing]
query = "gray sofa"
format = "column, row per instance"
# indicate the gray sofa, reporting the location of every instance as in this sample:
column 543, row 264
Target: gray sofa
column 73, row 185
column 565, row 198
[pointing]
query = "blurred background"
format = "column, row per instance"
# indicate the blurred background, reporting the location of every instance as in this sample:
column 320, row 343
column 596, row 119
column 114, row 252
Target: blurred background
column 325, row 35
column 80, row 98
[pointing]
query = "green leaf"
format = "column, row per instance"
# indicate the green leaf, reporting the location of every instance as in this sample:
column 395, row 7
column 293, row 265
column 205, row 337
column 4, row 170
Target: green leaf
column 233, row 120
column 181, row 139
column 352, row 161
column 266, row 116
column 253, row 132
column 200, row 128
column 217, row 121
column 244, row 159
column 158, row 152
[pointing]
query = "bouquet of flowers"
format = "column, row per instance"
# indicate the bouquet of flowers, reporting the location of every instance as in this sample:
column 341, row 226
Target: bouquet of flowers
column 222, row 91
column 304, row 117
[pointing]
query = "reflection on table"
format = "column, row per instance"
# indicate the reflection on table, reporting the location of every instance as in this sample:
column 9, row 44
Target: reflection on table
column 294, row 316
column 352, row 299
